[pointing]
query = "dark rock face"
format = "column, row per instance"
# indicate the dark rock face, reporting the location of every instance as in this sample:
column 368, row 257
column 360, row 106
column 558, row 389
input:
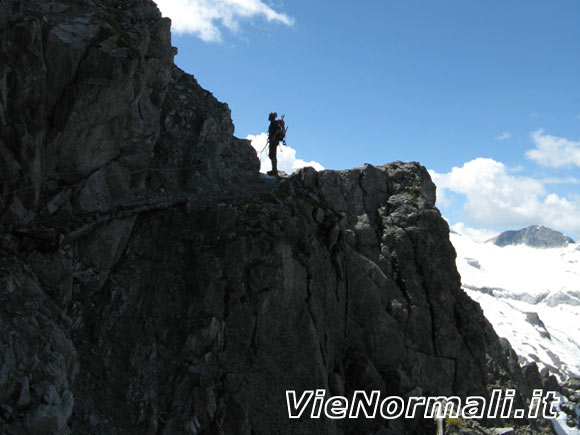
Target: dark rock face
column 152, row 282
column 82, row 84
column 535, row 236
column 571, row 407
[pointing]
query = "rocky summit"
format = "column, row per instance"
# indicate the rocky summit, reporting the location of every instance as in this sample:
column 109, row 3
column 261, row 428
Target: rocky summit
column 536, row 236
column 153, row 282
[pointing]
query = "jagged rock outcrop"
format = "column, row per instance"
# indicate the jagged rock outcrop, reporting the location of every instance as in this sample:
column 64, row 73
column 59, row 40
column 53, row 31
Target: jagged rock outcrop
column 319, row 283
column 536, row 236
column 151, row 281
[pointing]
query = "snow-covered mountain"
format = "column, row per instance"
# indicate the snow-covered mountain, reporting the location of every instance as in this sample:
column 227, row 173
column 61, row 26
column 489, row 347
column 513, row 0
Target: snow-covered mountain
column 536, row 236
column 531, row 295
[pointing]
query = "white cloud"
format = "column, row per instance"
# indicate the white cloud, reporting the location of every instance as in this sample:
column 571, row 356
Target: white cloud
column 554, row 151
column 205, row 18
column 496, row 198
column 476, row 234
column 287, row 160
column 568, row 180
column 504, row 136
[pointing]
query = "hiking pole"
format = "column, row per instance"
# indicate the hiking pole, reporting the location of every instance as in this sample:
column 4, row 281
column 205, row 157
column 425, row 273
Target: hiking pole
column 267, row 142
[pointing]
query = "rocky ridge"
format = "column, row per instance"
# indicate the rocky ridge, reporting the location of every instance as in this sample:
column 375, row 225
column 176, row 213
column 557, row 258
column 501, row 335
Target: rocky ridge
column 536, row 236
column 152, row 281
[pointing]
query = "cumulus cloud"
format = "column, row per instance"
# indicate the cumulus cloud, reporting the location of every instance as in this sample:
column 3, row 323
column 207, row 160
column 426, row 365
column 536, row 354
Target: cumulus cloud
column 477, row 234
column 554, row 151
column 504, row 136
column 206, row 18
column 496, row 198
column 287, row 160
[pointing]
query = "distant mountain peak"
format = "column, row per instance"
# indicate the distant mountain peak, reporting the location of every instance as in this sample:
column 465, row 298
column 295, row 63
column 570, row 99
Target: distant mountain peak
column 536, row 236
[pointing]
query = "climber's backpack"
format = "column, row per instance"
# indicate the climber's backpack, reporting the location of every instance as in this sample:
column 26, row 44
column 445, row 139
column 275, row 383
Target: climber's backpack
column 282, row 133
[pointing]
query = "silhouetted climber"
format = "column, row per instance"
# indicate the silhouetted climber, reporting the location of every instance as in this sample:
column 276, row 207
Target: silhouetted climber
column 276, row 133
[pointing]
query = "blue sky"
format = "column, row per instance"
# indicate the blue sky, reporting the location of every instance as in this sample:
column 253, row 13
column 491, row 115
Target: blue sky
column 490, row 88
